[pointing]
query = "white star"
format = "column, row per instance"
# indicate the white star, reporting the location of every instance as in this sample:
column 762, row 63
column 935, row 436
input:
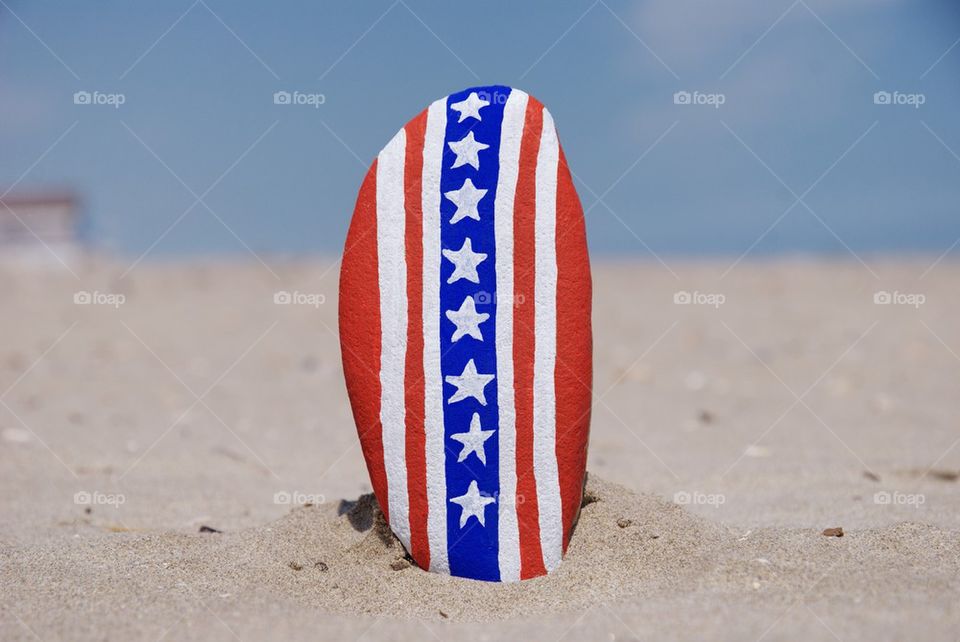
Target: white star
column 467, row 151
column 470, row 108
column 473, row 504
column 473, row 441
column 465, row 262
column 466, row 199
column 467, row 320
column 469, row 384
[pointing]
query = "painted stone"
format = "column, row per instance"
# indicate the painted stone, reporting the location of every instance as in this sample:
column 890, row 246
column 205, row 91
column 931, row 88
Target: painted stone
column 465, row 299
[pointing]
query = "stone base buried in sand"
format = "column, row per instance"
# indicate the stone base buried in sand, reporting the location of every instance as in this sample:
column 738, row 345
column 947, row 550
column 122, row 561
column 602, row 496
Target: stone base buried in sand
column 343, row 559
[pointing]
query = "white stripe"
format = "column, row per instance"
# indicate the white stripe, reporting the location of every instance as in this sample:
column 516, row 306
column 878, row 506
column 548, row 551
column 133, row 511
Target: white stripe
column 545, row 349
column 511, row 132
column 391, row 216
column 432, row 382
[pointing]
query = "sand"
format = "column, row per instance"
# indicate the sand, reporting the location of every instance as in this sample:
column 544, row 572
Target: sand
column 710, row 484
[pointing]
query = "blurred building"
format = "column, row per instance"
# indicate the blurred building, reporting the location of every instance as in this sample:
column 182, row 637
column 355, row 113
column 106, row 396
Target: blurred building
column 33, row 225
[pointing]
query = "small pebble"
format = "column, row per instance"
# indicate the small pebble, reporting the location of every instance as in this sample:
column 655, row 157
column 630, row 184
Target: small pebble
column 945, row 475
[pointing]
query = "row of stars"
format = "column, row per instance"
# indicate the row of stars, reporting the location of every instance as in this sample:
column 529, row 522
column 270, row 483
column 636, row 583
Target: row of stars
column 469, row 383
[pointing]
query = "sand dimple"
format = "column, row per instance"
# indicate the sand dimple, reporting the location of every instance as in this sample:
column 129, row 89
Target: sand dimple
column 368, row 571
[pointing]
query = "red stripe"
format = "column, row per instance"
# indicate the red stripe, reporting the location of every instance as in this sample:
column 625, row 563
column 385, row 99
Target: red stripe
column 413, row 382
column 360, row 331
column 574, row 368
column 524, row 220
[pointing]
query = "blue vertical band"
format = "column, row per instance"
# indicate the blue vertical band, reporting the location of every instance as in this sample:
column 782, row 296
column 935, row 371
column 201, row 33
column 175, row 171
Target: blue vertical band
column 472, row 549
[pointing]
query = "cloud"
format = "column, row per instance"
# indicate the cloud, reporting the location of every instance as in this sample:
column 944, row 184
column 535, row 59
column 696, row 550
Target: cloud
column 691, row 34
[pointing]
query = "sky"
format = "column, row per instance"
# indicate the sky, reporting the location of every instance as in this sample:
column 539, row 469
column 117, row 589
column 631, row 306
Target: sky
column 693, row 128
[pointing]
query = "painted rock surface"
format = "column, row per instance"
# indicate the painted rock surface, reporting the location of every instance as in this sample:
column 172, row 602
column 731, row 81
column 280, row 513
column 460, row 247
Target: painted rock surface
column 465, row 330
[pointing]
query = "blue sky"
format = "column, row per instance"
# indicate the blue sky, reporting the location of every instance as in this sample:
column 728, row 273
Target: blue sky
column 797, row 158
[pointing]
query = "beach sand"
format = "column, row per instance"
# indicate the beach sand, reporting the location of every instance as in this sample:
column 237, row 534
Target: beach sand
column 725, row 440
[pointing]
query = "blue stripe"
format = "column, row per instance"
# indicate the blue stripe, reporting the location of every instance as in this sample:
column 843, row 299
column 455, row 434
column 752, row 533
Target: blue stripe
column 473, row 549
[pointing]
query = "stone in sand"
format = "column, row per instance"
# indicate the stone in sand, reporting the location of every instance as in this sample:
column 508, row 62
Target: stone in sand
column 465, row 299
